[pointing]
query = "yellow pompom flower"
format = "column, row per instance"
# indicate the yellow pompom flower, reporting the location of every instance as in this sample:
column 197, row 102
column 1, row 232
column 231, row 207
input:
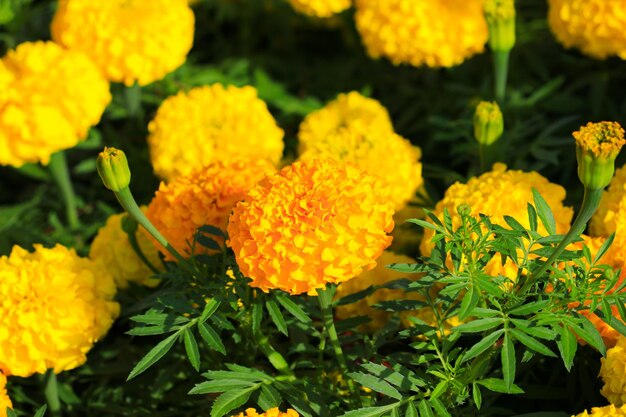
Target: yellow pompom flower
column 484, row 195
column 315, row 222
column 55, row 306
column 358, row 130
column 206, row 124
column 274, row 412
column 596, row 27
column 380, row 275
column 131, row 41
column 436, row 33
column 5, row 401
column 613, row 373
column 606, row 411
column 206, row 196
column 320, row 8
column 49, row 97
column 111, row 248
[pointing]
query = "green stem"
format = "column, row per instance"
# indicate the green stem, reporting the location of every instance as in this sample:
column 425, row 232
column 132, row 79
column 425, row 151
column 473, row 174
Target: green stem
column 127, row 201
column 324, row 298
column 482, row 151
column 132, row 95
column 51, row 391
column 61, row 175
column 276, row 359
column 591, row 200
column 501, row 70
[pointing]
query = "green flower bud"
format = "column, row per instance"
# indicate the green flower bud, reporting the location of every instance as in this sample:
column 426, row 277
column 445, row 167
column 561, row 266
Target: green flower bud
column 488, row 122
column 113, row 169
column 500, row 16
column 597, row 146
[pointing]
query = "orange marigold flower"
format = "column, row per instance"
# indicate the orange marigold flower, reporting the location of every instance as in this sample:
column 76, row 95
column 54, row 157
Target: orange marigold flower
column 273, row 412
column 193, row 129
column 593, row 26
column 5, row 401
column 358, row 130
column 131, row 41
column 49, row 99
column 418, row 32
column 314, row 223
column 111, row 248
column 613, row 373
column 484, row 195
column 55, row 306
column 321, row 8
column 606, row 411
column 206, row 196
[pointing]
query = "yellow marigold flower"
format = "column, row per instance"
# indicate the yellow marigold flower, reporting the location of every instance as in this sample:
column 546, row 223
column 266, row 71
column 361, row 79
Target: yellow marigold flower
column 606, row 411
column 274, row 412
column 206, row 196
column 131, row 41
column 112, row 249
column 484, row 195
column 419, row 32
column 193, row 129
column 314, row 223
column 613, row 373
column 55, row 306
column 321, row 8
column 593, row 26
column 5, row 401
column 49, row 97
column 597, row 146
column 358, row 130
column 380, row 275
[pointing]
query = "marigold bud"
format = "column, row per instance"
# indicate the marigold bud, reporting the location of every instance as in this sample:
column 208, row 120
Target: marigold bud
column 500, row 16
column 113, row 169
column 488, row 122
column 597, row 146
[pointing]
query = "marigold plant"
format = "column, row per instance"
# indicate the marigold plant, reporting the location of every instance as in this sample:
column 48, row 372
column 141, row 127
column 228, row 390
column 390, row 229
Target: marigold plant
column 613, row 373
column 138, row 41
column 206, row 124
column 358, row 130
column 206, row 196
column 315, row 222
column 321, row 8
column 113, row 250
column 50, row 97
column 418, row 32
column 55, row 306
column 593, row 26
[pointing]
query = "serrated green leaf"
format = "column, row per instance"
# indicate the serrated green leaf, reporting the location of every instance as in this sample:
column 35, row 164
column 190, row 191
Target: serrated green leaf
column 509, row 360
column 424, row 409
column 605, row 246
column 529, row 308
column 411, row 411
column 532, row 343
column 477, row 396
column 153, row 356
column 277, row 316
column 481, row 325
column 230, row 400
column 191, row 347
column 211, row 337
column 209, row 309
column 498, row 385
column 41, row 411
column 484, row 344
column 544, row 212
column 269, row 397
column 219, row 385
column 532, row 217
column 567, row 346
column 469, row 302
column 257, row 317
column 440, row 408
column 293, row 309
column 376, row 384
column 590, row 334
column 369, row 411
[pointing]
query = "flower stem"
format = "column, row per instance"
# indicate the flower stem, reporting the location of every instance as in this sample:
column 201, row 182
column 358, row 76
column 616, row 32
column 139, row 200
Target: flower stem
column 51, row 391
column 324, row 298
column 276, row 359
column 501, row 70
column 61, row 175
column 591, row 200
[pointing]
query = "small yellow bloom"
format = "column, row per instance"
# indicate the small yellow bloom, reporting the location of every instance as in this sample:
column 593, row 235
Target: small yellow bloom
column 597, row 146
column 113, row 169
column 488, row 123
column 613, row 373
column 131, row 41
column 315, row 222
column 500, row 16
column 273, row 412
column 606, row 411
column 5, row 401
column 321, row 8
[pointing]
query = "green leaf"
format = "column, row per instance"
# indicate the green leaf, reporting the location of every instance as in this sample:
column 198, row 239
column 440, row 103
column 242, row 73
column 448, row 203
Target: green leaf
column 369, row 411
column 532, row 343
column 515, row 225
column 476, row 395
column 211, row 307
column 590, row 334
column 269, row 397
column 544, row 212
column 407, row 268
column 191, row 347
column 481, row 325
column 42, row 411
column 532, row 217
column 293, row 309
column 10, row 412
column 440, row 408
column 230, row 400
column 219, row 385
column 257, row 317
column 153, row 356
column 376, row 384
column 425, row 410
column 530, row 308
column 567, row 346
column 469, row 302
column 211, row 337
column 277, row 316
column 498, row 385
column 605, row 246
column 411, row 411
column 484, row 344
column 509, row 361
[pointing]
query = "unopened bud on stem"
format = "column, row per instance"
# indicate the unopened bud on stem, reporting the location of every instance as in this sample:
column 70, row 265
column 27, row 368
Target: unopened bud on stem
column 113, row 169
